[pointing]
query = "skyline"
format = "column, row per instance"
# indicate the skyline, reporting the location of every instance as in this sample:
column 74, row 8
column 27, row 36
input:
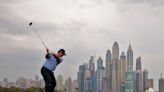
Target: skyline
column 102, row 63
column 84, row 28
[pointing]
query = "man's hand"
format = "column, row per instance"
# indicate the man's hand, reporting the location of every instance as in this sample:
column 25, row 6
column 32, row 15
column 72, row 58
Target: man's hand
column 48, row 54
column 47, row 50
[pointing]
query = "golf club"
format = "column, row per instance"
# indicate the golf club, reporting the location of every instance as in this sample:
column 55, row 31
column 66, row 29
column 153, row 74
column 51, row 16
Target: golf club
column 30, row 24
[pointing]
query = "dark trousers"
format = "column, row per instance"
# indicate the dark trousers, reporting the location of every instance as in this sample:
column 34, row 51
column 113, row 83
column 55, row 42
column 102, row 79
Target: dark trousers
column 50, row 82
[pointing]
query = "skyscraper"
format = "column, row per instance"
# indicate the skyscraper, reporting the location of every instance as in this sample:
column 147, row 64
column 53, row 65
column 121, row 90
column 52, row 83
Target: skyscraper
column 86, row 76
column 145, row 77
column 129, row 85
column 149, row 83
column 122, row 66
column 74, row 86
column 139, row 80
column 68, row 85
column 89, row 76
column 81, row 78
column 122, row 70
column 161, row 84
column 129, row 82
column 21, row 83
column 139, row 86
column 60, row 85
column 115, row 68
column 6, row 83
column 130, row 58
column 91, row 67
column 99, row 74
column 104, row 85
column 138, row 64
column 109, row 70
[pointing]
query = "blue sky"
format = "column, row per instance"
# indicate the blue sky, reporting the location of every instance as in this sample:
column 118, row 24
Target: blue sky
column 83, row 28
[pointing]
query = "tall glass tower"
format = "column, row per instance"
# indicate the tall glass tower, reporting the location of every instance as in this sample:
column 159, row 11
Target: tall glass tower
column 130, row 58
column 115, row 68
column 109, row 70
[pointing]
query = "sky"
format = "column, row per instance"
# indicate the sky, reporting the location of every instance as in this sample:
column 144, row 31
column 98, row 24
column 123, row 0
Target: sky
column 83, row 28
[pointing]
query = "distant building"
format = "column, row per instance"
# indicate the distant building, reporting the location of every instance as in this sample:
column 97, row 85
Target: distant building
column 161, row 84
column 74, row 86
column 29, row 83
column 91, row 67
column 60, row 85
column 94, row 84
column 130, row 59
column 42, row 84
column 115, row 68
column 5, row 83
column 138, row 64
column 37, row 82
column 21, row 83
column 145, row 77
column 104, row 85
column 122, row 71
column 129, row 85
column 139, row 86
column 109, row 70
column 80, row 78
column 149, row 83
column 100, row 72
column 68, row 85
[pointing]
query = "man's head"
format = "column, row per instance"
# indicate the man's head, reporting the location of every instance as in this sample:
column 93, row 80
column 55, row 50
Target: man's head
column 61, row 53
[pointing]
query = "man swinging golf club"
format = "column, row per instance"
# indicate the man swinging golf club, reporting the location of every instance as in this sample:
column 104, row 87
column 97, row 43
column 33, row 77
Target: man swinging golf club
column 52, row 60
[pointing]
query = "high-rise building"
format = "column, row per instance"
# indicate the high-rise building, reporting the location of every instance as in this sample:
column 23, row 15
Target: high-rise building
column 138, row 64
column 89, row 75
column 91, row 67
column 68, row 85
column 149, row 83
column 122, row 71
column 129, row 82
column 109, row 70
column 81, row 78
column 21, row 83
column 115, row 68
column 5, row 83
column 42, row 84
column 139, row 86
column 161, row 84
column 74, row 86
column 29, row 83
column 88, row 85
column 145, row 77
column 86, row 77
column 60, row 81
column 37, row 82
column 99, row 74
column 91, row 84
column 135, row 81
column 122, row 66
column 94, row 84
column 104, row 85
column 130, row 58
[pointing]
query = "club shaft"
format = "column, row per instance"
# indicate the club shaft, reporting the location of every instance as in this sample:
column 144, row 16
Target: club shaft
column 39, row 38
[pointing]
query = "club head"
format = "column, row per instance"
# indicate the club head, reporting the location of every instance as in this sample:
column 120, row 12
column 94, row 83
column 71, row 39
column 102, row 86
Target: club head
column 30, row 23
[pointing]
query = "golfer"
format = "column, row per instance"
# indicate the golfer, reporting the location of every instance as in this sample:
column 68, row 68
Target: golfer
column 52, row 61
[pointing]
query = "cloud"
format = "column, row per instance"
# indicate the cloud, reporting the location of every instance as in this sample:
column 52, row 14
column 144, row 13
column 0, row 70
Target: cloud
column 8, row 1
column 152, row 2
